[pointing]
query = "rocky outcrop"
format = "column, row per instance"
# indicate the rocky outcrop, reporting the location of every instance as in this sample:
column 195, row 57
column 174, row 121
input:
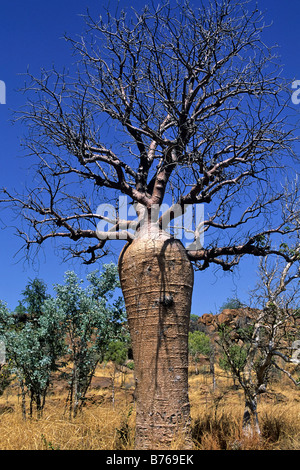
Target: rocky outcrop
column 234, row 318
column 238, row 318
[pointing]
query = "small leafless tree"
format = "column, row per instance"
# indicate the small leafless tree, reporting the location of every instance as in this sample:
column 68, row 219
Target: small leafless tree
column 272, row 338
column 171, row 107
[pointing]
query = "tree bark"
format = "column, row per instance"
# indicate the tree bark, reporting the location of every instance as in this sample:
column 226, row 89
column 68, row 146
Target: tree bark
column 157, row 281
column 250, row 417
column 23, row 392
column 212, row 367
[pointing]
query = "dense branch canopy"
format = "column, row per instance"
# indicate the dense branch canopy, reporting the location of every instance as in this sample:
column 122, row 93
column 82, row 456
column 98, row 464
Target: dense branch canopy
column 171, row 105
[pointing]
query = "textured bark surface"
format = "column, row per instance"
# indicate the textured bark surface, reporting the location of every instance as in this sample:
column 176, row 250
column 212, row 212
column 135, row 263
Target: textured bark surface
column 157, row 280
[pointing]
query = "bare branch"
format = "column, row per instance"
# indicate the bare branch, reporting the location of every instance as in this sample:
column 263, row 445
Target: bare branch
column 173, row 103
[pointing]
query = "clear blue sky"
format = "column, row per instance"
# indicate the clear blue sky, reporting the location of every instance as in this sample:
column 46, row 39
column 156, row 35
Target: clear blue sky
column 31, row 36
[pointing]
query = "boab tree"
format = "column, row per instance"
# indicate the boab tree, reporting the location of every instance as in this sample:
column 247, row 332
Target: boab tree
column 172, row 107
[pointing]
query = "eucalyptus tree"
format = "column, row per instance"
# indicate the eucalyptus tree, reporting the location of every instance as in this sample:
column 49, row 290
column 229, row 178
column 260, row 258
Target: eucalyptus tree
column 91, row 320
column 117, row 353
column 33, row 351
column 171, row 107
column 34, row 296
column 199, row 344
column 5, row 366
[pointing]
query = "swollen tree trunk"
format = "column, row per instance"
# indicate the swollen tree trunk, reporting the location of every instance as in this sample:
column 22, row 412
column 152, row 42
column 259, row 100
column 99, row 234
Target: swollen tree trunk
column 157, row 281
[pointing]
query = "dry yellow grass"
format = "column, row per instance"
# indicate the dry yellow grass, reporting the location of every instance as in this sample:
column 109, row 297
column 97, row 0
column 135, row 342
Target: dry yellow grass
column 217, row 416
column 216, row 419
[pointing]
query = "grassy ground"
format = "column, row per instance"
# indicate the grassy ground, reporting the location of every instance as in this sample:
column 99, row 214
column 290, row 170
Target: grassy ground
column 216, row 418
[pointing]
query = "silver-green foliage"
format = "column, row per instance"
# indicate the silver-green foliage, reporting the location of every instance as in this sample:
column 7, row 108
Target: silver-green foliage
column 77, row 324
column 93, row 317
column 33, row 349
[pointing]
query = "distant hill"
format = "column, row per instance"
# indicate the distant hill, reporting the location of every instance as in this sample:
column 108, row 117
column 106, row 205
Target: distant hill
column 235, row 318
